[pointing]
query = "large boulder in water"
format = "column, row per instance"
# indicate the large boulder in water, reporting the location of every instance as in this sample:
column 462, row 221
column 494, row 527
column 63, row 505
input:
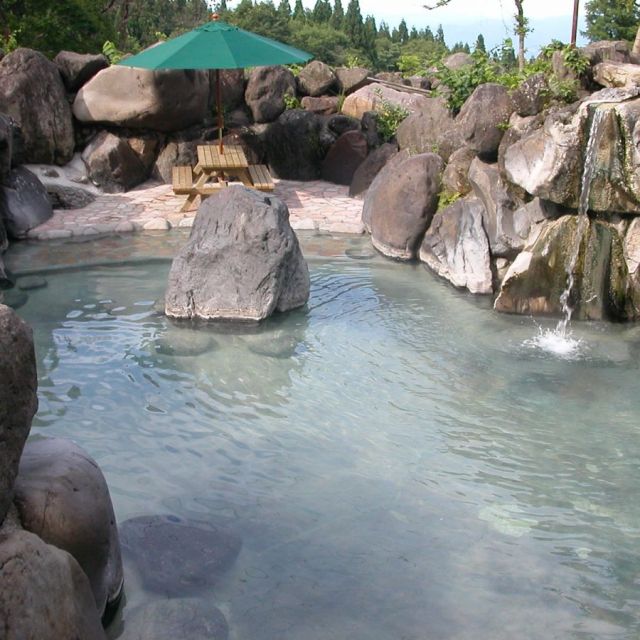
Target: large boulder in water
column 538, row 277
column 266, row 89
column 456, row 246
column 242, row 261
column 400, row 203
column 62, row 497
column 18, row 399
column 32, row 93
column 168, row 100
column 43, row 591
column 24, row 203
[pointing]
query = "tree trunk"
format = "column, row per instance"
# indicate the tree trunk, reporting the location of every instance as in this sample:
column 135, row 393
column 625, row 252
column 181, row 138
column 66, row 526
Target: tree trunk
column 521, row 30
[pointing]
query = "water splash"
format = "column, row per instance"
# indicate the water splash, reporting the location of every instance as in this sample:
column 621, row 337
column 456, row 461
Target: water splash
column 563, row 345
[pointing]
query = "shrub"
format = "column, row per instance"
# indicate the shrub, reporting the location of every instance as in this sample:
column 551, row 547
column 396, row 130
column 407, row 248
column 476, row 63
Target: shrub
column 389, row 117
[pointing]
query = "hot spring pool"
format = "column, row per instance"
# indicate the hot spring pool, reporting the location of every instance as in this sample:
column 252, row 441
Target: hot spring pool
column 398, row 461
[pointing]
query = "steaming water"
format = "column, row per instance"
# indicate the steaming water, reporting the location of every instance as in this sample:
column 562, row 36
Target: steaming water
column 398, row 462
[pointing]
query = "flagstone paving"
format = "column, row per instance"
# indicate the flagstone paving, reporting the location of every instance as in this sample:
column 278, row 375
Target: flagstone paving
column 314, row 205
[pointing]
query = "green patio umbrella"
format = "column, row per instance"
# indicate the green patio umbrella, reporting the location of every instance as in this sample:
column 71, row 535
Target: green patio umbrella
column 216, row 45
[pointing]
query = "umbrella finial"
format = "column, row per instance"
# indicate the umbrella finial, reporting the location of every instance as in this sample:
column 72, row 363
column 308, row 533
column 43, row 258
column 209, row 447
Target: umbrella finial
column 215, row 17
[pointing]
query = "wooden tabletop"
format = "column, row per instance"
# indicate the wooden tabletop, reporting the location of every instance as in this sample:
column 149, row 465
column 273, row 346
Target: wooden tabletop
column 232, row 157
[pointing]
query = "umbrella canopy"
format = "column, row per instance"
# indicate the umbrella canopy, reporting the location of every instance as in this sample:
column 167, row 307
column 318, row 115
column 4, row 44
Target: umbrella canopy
column 216, row 45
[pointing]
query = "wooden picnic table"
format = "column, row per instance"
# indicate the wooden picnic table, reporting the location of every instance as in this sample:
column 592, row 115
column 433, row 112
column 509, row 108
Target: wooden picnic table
column 213, row 171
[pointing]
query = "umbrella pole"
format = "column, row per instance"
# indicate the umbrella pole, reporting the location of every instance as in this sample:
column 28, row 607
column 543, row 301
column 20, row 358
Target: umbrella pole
column 219, row 109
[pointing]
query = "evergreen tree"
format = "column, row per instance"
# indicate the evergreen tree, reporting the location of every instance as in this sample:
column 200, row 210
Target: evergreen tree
column 428, row 34
column 440, row 36
column 299, row 12
column 413, row 34
column 480, row 45
column 395, row 35
column 353, row 23
column 383, row 30
column 369, row 35
column 403, row 32
column 337, row 18
column 284, row 9
column 221, row 7
column 321, row 12
column 611, row 19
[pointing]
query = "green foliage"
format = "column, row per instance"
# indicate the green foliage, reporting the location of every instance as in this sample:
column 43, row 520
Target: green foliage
column 111, row 52
column 389, row 118
column 9, row 42
column 563, row 90
column 611, row 19
column 291, row 102
column 447, row 198
column 323, row 41
column 575, row 60
column 409, row 65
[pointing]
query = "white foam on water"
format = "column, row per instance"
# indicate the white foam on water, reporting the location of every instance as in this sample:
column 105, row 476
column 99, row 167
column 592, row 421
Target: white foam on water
column 557, row 343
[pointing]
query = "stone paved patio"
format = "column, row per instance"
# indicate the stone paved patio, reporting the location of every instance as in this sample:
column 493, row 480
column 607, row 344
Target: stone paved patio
column 313, row 205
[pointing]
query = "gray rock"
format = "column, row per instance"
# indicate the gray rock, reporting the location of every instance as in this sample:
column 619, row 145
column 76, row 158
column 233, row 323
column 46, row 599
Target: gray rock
column 499, row 207
column 168, row 100
column 537, row 278
column 296, row 146
column 29, row 283
column 217, row 276
column 32, row 93
column 43, row 592
column 455, row 178
column 112, row 164
column 18, row 399
column 265, row 92
column 316, row 79
column 401, row 202
column 338, row 124
column 483, row 118
column 344, row 157
column 324, row 105
column 616, row 74
column 77, row 69
column 531, row 97
column 607, row 50
column 456, row 246
column 430, row 130
column 458, row 60
column 172, row 154
column 188, row 618
column 365, row 174
column 146, row 147
column 24, row 203
column 184, row 342
column 63, row 498
column 560, row 69
column 175, row 557
column 232, row 86
column 6, row 146
column 374, row 96
column 352, row 79
column 369, row 126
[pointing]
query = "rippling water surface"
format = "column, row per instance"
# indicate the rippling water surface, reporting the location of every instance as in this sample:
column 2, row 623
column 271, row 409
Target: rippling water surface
column 399, row 461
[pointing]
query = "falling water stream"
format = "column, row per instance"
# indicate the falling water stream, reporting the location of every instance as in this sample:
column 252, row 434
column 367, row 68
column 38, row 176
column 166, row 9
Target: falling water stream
column 561, row 340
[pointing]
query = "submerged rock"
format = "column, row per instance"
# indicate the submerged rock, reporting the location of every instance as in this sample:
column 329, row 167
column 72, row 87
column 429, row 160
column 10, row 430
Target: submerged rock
column 242, row 261
column 187, row 618
column 62, row 497
column 176, row 557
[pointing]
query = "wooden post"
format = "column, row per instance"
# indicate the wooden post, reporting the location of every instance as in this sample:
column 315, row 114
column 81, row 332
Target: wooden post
column 574, row 27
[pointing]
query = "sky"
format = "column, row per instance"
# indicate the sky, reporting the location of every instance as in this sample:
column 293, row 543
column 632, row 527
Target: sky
column 463, row 20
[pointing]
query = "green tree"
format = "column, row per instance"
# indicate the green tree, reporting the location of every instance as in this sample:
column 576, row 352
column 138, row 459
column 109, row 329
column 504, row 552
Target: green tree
column 299, row 13
column 262, row 18
column 337, row 18
column 611, row 19
column 353, row 23
column 322, row 12
column 440, row 36
column 480, row 45
column 323, row 41
column 383, row 30
column 403, row 32
column 284, row 9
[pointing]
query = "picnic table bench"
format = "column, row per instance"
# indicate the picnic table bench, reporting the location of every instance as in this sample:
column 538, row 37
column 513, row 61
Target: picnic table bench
column 213, row 170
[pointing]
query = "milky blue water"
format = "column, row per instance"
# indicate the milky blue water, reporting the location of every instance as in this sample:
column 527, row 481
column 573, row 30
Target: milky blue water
column 400, row 462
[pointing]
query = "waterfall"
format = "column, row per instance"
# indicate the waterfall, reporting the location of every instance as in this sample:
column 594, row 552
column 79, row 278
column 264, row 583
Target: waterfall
column 583, row 219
